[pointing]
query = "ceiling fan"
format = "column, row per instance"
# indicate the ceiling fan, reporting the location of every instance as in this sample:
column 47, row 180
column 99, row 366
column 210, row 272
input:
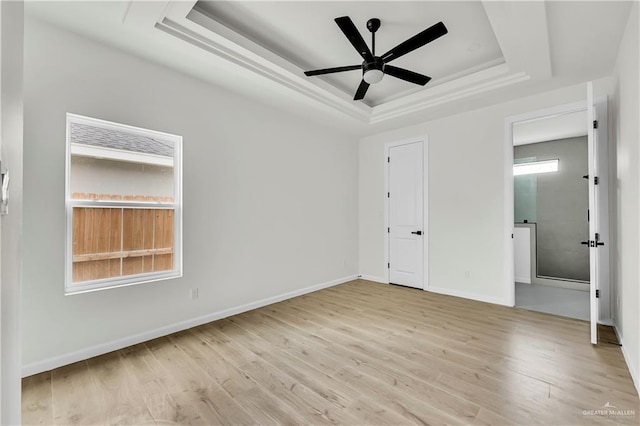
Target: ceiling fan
column 375, row 67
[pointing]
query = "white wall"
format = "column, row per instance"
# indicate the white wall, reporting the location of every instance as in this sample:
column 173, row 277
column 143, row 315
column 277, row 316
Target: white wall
column 11, row 28
column 270, row 201
column 627, row 270
column 465, row 195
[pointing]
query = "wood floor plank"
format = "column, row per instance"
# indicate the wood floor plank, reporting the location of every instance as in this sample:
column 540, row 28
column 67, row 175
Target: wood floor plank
column 379, row 364
column 120, row 393
column 307, row 403
column 359, row 353
column 190, row 385
column 151, row 378
column 212, row 335
column 209, row 360
column 321, row 399
column 306, row 373
column 555, row 366
column 37, row 402
column 260, row 404
column 76, row 398
column 141, row 364
column 411, row 408
column 165, row 409
column 371, row 412
column 488, row 418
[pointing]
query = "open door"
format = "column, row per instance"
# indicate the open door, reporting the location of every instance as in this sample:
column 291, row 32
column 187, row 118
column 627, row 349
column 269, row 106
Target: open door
column 594, row 238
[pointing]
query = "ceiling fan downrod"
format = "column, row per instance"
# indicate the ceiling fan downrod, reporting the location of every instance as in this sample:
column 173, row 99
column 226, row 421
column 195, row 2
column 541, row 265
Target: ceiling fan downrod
column 373, row 25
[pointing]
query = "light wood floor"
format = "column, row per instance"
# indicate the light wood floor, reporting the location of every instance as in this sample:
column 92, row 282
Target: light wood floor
column 356, row 354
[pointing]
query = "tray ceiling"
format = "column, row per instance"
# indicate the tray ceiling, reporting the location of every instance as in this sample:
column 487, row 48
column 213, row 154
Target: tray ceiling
column 305, row 34
column 495, row 51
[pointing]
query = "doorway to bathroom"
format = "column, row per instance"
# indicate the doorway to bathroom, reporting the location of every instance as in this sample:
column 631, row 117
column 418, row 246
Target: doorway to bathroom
column 558, row 246
column 551, row 215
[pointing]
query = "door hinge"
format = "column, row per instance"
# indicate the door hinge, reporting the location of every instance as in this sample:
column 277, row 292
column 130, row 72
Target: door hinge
column 388, row 265
column 388, row 159
column 595, row 124
column 596, row 180
column 598, row 294
column 388, row 230
column 388, row 194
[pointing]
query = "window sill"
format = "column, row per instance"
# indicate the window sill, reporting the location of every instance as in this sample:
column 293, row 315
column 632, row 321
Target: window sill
column 111, row 283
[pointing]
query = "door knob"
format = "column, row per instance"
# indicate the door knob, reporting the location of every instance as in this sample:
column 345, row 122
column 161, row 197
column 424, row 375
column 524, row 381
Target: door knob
column 417, row 232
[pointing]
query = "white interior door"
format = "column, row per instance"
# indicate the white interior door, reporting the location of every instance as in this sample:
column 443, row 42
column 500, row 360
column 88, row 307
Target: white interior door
column 406, row 204
column 594, row 240
column 602, row 158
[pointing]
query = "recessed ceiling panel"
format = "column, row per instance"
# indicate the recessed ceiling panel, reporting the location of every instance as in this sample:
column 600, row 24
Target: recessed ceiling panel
column 305, row 34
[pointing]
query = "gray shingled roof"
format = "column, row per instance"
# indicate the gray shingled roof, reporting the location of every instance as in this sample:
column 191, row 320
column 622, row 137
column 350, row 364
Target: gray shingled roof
column 115, row 139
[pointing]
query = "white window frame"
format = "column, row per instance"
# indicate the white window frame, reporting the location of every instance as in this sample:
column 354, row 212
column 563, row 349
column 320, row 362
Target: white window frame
column 100, row 284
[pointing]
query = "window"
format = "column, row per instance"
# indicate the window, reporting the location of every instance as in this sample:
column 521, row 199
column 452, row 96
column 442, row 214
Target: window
column 535, row 167
column 123, row 203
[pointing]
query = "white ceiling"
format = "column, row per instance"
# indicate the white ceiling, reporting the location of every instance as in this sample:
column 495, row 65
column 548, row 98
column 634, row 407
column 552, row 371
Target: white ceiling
column 495, row 50
column 561, row 126
column 305, row 34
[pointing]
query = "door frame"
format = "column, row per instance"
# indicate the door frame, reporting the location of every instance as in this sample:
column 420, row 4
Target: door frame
column 602, row 108
column 11, row 151
column 425, row 210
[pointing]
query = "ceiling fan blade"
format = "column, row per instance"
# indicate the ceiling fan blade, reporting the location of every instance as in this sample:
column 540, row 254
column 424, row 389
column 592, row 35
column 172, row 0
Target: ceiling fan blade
column 332, row 70
column 418, row 40
column 406, row 75
column 362, row 90
column 349, row 29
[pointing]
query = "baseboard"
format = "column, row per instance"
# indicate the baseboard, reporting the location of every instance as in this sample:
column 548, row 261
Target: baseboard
column 103, row 348
column 630, row 366
column 373, row 278
column 523, row 280
column 466, row 295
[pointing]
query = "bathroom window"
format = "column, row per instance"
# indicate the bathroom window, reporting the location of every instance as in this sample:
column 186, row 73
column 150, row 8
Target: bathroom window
column 536, row 167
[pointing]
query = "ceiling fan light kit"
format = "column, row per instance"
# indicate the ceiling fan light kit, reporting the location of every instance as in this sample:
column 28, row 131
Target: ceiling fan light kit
column 372, row 72
column 375, row 67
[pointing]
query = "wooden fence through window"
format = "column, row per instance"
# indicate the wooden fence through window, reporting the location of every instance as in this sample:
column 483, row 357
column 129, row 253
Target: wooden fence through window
column 118, row 241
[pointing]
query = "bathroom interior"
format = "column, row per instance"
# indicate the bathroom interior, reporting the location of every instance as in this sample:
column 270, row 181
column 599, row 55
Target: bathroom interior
column 551, row 215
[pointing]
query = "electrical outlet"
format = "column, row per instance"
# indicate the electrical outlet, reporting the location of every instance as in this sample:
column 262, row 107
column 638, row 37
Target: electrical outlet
column 194, row 293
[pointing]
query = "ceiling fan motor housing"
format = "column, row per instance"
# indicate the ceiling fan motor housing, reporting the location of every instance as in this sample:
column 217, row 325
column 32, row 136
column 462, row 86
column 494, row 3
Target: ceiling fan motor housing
column 376, row 64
